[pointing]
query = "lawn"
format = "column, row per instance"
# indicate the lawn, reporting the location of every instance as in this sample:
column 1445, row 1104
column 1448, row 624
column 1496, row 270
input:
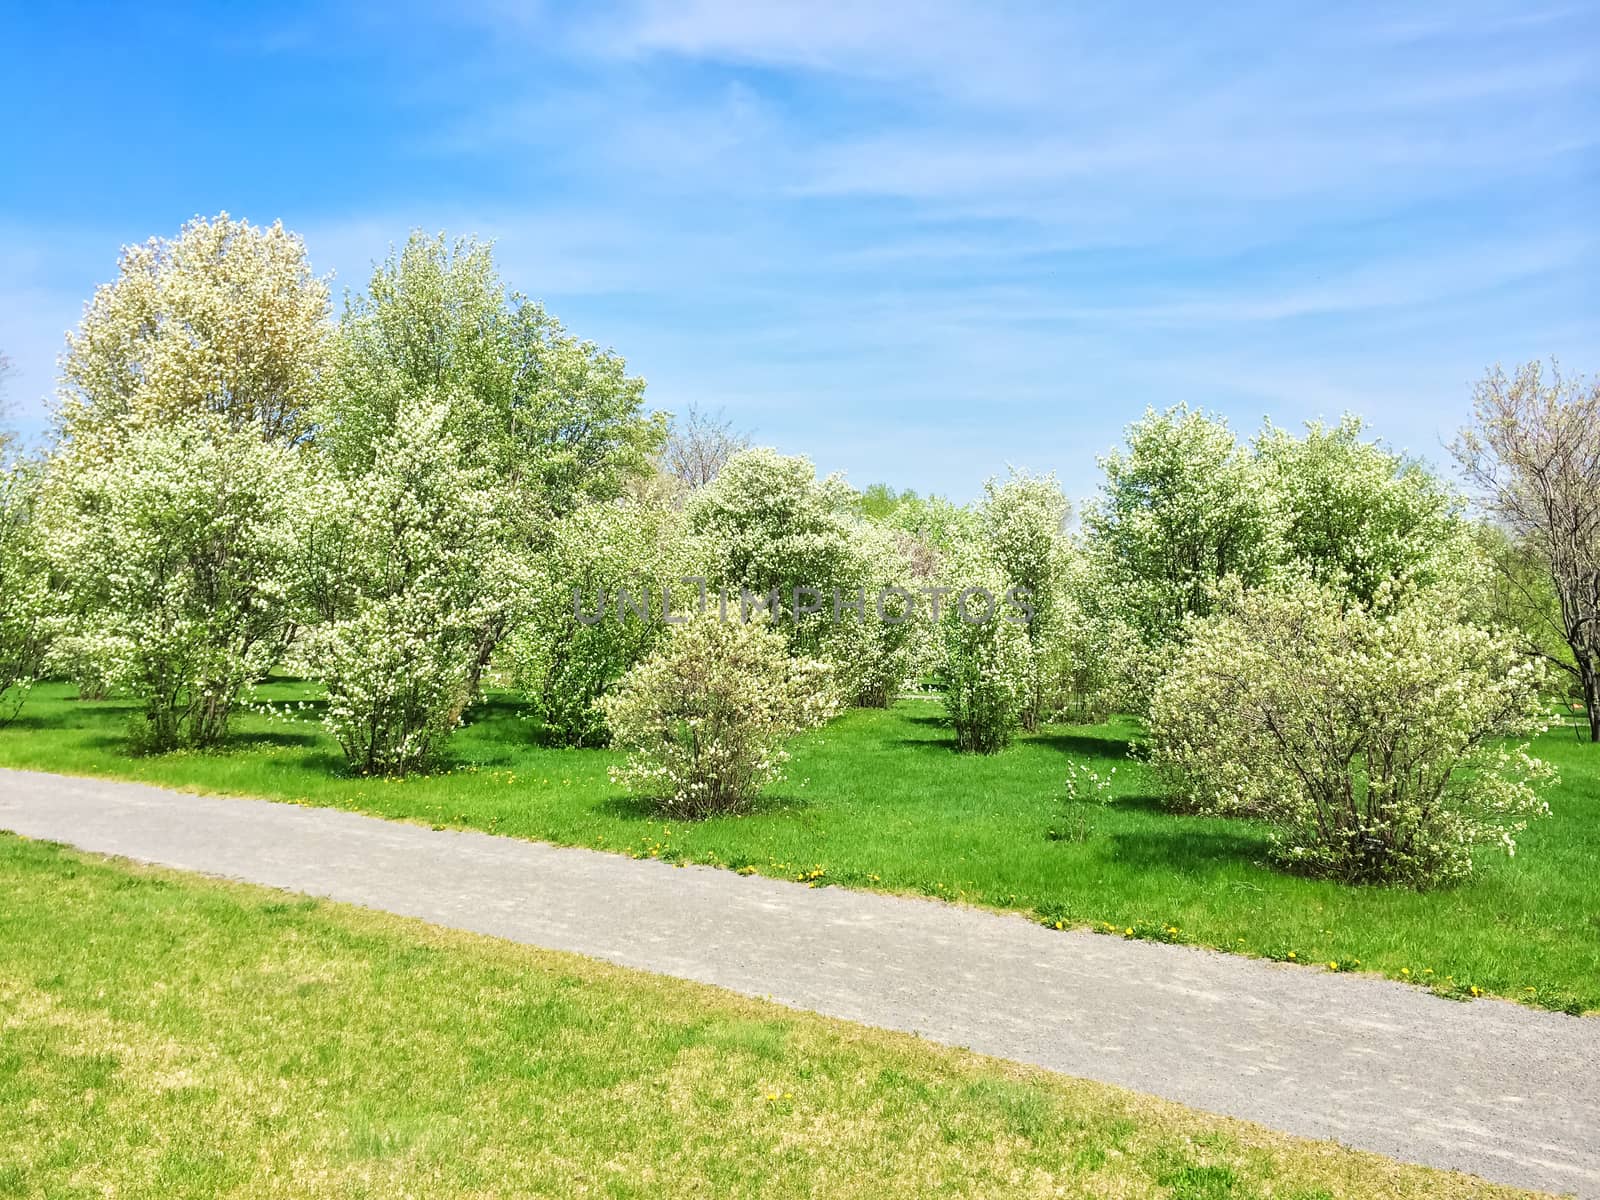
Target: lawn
column 167, row 1036
column 879, row 800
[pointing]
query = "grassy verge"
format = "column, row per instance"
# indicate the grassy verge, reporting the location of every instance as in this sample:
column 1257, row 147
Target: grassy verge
column 170, row 1037
column 878, row 800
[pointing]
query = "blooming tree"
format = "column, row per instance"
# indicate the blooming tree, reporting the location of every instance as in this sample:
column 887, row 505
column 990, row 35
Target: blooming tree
column 551, row 421
column 876, row 634
column 1356, row 515
column 412, row 562
column 223, row 322
column 768, row 526
column 705, row 716
column 1183, row 509
column 986, row 658
column 174, row 554
column 1023, row 520
column 1533, row 452
column 24, row 586
column 1371, row 739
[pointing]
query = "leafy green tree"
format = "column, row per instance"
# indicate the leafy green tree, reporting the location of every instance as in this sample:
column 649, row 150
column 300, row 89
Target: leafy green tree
column 552, row 422
column 879, row 501
column 1183, row 509
column 585, row 627
column 986, row 663
column 1520, row 596
column 943, row 525
column 1355, row 514
column 558, row 421
column 24, row 586
column 773, row 535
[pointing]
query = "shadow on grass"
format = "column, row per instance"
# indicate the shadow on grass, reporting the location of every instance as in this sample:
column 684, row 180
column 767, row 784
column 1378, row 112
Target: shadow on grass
column 1108, row 747
column 1147, row 802
column 636, row 808
column 244, row 742
column 493, row 710
column 944, row 745
column 26, row 720
column 1186, row 849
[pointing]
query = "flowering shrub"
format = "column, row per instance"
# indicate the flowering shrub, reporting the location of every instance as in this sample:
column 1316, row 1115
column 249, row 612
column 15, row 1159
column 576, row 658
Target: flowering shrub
column 987, row 669
column 768, row 523
column 1022, row 520
column 23, row 588
column 418, row 568
column 174, row 555
column 1369, row 738
column 706, row 715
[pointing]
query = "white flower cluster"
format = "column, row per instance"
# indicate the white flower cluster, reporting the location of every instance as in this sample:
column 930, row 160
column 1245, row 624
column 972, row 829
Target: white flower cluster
column 173, row 557
column 705, row 716
column 1372, row 739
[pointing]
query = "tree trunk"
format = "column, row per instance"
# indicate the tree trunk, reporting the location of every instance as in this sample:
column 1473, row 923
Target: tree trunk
column 1590, row 674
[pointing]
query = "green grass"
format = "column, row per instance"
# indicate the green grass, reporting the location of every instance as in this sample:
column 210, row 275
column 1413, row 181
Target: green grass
column 165, row 1036
column 879, row 800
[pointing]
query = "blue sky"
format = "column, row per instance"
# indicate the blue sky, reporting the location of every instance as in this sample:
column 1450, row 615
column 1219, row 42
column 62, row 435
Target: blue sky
column 917, row 241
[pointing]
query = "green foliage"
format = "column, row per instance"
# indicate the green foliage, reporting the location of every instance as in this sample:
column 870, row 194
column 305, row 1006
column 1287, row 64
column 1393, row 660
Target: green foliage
column 1520, row 596
column 1369, row 738
column 945, row 526
column 564, row 664
column 767, row 525
column 175, row 554
column 880, row 501
column 1357, row 515
column 1091, row 660
column 987, row 664
column 557, row 421
column 1182, row 510
column 767, row 522
column 705, row 717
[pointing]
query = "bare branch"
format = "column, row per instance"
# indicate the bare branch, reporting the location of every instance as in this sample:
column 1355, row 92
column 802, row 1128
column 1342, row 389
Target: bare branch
column 699, row 444
column 1533, row 452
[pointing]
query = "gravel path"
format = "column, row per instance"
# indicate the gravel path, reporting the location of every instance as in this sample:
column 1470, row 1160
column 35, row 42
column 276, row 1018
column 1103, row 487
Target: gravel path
column 1489, row 1087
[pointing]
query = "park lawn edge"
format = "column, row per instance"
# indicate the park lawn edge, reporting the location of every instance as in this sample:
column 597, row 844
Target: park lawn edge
column 1181, row 1130
column 1054, row 920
